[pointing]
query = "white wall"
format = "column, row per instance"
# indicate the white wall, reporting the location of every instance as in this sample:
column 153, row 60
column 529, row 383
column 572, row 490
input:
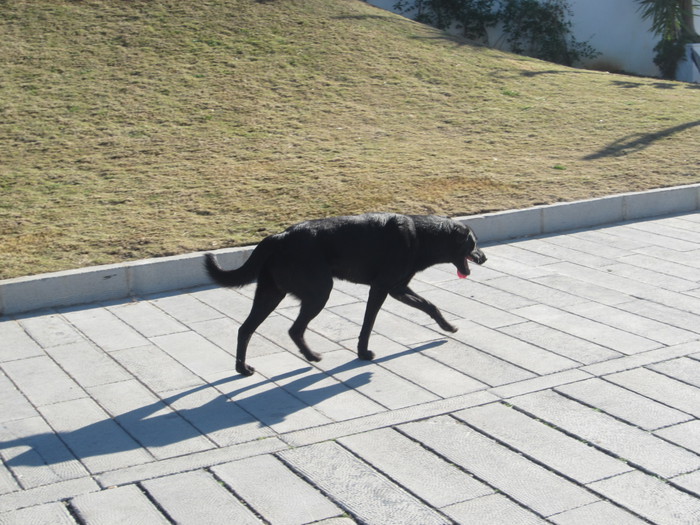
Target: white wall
column 616, row 29
column 613, row 27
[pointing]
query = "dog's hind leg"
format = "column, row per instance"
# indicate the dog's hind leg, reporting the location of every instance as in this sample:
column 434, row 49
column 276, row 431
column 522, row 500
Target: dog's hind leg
column 411, row 298
column 267, row 297
column 313, row 299
column 376, row 299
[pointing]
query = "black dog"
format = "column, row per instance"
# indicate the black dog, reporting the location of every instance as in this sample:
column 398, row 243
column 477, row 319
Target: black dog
column 383, row 250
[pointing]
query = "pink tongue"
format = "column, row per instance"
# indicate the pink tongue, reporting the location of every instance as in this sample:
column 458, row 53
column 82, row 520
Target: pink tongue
column 461, row 275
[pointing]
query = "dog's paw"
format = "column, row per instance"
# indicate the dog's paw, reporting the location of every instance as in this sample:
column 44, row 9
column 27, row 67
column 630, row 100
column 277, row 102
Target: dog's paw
column 365, row 355
column 244, row 370
column 312, row 356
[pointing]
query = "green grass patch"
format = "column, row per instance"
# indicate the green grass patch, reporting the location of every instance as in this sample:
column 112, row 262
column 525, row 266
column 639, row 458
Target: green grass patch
column 149, row 128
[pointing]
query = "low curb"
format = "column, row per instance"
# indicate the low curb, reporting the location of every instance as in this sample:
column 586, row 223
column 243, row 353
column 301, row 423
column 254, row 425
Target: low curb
column 150, row 276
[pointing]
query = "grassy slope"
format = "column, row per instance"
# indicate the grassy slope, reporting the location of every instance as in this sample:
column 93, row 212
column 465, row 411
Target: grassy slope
column 147, row 128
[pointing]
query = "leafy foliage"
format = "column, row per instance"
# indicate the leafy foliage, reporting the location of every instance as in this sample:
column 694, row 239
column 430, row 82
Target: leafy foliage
column 537, row 28
column 472, row 17
column 672, row 20
column 541, row 29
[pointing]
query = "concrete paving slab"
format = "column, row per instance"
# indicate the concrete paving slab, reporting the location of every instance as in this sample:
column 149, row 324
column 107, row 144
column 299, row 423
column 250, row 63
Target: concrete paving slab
column 358, row 488
column 231, row 303
column 689, row 482
column 412, row 364
column 561, row 343
column 275, row 492
column 585, row 290
column 558, row 253
column 155, row 368
column 156, row 427
column 7, row 481
column 480, row 311
column 645, row 358
column 190, row 462
column 687, row 435
column 478, row 365
column 395, row 327
column 650, row 497
column 386, row 419
column 494, row 509
column 50, row 329
column 118, row 506
column 636, row 324
column 426, row 475
column 559, row 452
column 481, row 293
column 598, row 512
column 16, row 342
column 669, row 315
column 59, row 491
column 328, row 324
column 86, row 364
column 274, row 406
column 48, row 514
column 196, row 353
column 529, row 484
column 601, row 277
column 105, row 329
column 512, row 350
column 683, row 369
column 35, row 456
column 623, row 404
column 539, row 383
column 652, row 277
column 42, row 381
column 185, row 308
column 162, row 417
column 13, row 404
column 276, row 329
column 147, row 319
column 215, row 416
column 377, row 383
column 588, row 242
column 667, row 390
column 99, row 442
column 535, row 291
column 624, row 441
column 325, row 393
column 663, row 266
column 658, row 234
column 197, row 497
column 689, row 258
column 594, row 331
column 222, row 332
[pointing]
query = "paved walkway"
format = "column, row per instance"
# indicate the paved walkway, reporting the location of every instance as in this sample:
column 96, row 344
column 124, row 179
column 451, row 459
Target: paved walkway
column 570, row 395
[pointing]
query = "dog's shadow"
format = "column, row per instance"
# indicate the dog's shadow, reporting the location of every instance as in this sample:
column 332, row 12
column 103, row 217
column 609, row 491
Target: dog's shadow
column 263, row 403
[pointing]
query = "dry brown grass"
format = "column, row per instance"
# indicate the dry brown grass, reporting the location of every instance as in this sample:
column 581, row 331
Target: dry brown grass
column 148, row 128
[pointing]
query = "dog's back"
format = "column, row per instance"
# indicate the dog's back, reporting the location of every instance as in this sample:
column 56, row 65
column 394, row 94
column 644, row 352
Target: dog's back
column 356, row 248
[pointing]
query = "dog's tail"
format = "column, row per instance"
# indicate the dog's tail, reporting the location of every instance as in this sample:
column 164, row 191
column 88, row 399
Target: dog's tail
column 246, row 273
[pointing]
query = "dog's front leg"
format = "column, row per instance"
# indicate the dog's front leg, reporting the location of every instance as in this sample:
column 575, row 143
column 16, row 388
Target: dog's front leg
column 411, row 298
column 374, row 303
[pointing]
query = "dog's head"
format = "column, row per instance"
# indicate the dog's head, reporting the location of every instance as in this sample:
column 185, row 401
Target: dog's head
column 467, row 249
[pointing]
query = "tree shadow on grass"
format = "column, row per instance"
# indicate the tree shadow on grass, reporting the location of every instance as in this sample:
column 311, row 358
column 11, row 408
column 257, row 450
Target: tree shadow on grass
column 166, row 422
column 638, row 141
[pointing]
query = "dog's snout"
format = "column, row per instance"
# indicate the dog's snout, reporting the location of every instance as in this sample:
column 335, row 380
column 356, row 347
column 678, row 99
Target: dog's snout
column 478, row 257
